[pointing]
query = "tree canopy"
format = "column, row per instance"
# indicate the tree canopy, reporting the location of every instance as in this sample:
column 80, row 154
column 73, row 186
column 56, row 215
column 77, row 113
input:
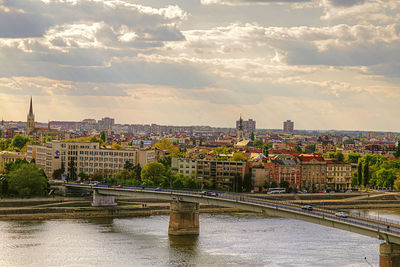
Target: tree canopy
column 153, row 173
column 26, row 181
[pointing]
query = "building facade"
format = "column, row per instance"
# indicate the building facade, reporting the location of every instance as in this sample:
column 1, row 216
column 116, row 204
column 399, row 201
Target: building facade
column 338, row 175
column 86, row 157
column 288, row 126
column 313, row 172
column 247, row 126
column 224, row 175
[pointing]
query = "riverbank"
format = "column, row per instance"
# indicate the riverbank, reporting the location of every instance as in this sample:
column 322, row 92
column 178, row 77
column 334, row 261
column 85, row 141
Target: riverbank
column 80, row 208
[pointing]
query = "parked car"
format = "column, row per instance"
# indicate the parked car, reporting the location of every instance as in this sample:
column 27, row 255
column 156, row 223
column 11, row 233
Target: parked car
column 341, row 214
column 307, row 207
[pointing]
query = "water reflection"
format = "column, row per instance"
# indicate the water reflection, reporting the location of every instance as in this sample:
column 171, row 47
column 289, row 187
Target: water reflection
column 183, row 250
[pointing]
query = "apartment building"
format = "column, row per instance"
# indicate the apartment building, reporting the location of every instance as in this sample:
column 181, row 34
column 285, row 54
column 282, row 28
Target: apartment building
column 225, row 175
column 313, row 172
column 87, row 157
column 338, row 175
column 260, row 173
column 184, row 166
column 287, row 168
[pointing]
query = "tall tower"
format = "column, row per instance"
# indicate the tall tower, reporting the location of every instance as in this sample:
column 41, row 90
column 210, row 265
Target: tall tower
column 240, row 135
column 30, row 120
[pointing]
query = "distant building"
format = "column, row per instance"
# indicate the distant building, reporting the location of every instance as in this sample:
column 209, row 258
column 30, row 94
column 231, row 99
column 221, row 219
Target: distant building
column 106, row 123
column 247, row 126
column 288, row 126
column 38, row 133
column 370, row 135
column 389, row 135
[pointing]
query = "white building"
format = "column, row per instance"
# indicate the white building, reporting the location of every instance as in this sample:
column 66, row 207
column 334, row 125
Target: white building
column 87, row 157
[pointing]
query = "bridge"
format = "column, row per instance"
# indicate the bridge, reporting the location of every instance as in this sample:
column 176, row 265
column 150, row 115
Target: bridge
column 184, row 213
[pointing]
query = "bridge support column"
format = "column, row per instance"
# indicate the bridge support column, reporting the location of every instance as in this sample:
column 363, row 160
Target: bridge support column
column 184, row 218
column 389, row 255
column 102, row 200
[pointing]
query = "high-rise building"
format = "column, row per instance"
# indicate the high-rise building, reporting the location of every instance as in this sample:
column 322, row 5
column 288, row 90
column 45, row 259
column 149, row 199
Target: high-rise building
column 247, row 126
column 288, row 126
column 106, row 123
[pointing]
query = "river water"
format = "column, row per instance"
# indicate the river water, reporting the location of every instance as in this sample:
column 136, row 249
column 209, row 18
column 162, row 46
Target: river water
column 224, row 240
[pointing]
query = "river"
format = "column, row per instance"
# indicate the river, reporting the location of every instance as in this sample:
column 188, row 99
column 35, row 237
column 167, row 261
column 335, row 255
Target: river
column 224, row 240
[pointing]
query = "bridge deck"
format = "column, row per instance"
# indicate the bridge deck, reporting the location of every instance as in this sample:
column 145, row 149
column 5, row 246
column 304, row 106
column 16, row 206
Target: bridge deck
column 353, row 223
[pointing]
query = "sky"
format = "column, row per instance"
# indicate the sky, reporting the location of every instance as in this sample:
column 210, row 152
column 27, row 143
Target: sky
column 324, row 64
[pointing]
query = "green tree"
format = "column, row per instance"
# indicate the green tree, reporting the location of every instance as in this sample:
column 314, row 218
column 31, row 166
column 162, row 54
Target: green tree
column 46, row 139
column 352, row 158
column 103, row 136
column 125, row 175
column 178, row 180
column 267, row 184
column 258, row 143
column 238, row 156
column 397, row 182
column 57, row 174
column 298, row 149
column 154, row 172
column 252, row 136
column 72, row 169
column 310, row 148
column 166, row 161
column 366, row 174
column 19, row 141
column 223, row 150
column 274, row 184
column 284, row 184
column 11, row 166
column 397, row 153
column 128, row 165
column 339, row 156
column 4, row 144
column 27, row 181
column 360, row 173
column 247, row 182
column 265, row 150
column 83, row 176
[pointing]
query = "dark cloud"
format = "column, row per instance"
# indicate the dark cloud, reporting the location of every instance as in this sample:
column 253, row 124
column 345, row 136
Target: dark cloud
column 346, row 3
column 22, row 25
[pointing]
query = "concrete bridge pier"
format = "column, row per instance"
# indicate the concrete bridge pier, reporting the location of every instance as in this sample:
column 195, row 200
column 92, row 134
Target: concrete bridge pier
column 102, row 200
column 184, row 218
column 389, row 255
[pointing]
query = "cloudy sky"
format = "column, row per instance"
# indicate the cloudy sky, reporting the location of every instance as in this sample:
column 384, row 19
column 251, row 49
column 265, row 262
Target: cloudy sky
column 326, row 64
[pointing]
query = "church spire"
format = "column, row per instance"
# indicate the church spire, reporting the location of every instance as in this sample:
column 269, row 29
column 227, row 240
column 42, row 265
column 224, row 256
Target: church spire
column 31, row 108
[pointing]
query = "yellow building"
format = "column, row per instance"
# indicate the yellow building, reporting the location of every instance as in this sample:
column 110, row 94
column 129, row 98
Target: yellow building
column 338, row 175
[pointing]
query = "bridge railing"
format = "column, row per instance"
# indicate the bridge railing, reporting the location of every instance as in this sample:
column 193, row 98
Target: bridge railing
column 374, row 222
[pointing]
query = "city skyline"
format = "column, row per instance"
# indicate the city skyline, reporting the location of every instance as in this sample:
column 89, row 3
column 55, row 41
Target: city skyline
column 326, row 64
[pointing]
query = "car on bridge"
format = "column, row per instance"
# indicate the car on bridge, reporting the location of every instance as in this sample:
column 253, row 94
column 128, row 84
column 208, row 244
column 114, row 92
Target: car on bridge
column 307, row 207
column 341, row 214
column 209, row 193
